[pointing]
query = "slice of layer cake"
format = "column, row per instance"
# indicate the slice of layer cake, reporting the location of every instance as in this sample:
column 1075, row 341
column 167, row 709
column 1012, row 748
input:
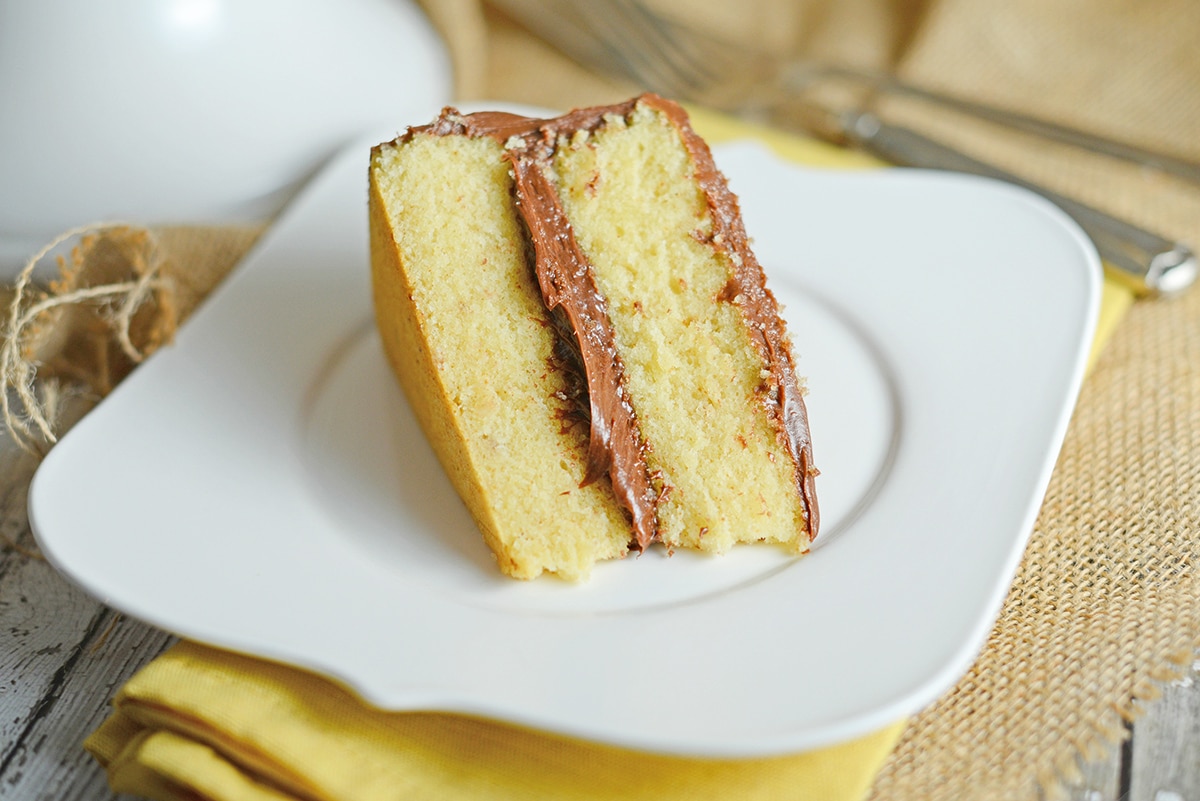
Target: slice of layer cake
column 575, row 315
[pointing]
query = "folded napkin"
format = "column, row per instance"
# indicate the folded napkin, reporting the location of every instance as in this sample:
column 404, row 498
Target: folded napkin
column 203, row 723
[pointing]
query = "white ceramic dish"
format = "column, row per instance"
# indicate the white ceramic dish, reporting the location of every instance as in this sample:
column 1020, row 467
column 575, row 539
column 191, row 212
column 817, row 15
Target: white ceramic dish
column 193, row 111
column 261, row 485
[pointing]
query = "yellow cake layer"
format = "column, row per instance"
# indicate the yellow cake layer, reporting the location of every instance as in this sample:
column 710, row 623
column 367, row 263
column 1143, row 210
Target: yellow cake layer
column 464, row 326
column 691, row 370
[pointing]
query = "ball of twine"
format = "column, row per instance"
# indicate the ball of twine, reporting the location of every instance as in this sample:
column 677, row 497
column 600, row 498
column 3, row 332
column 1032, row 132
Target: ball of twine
column 68, row 340
column 30, row 402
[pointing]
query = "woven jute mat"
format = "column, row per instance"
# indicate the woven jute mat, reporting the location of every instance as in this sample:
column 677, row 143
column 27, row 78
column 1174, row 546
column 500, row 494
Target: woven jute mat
column 1106, row 604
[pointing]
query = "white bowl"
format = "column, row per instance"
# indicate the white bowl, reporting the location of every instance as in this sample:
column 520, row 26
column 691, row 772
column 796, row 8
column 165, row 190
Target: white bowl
column 192, row 111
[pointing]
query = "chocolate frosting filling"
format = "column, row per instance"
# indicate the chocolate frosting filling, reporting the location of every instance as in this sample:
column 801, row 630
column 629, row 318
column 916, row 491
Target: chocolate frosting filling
column 568, row 288
column 615, row 445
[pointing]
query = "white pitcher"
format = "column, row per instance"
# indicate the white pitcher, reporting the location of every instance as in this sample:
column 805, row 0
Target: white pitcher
column 192, row 111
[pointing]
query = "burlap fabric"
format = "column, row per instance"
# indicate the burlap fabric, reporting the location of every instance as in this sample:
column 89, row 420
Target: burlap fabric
column 1106, row 605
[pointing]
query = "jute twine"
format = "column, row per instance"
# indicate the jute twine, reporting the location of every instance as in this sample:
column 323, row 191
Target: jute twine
column 114, row 297
column 32, row 311
column 55, row 357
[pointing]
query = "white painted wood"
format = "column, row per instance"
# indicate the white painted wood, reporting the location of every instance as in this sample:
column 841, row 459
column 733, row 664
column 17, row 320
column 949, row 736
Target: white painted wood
column 50, row 763
column 1101, row 779
column 1166, row 749
column 43, row 620
column 62, row 656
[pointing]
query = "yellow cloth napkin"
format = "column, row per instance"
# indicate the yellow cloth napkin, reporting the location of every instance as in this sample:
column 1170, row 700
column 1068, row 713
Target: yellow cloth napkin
column 203, row 723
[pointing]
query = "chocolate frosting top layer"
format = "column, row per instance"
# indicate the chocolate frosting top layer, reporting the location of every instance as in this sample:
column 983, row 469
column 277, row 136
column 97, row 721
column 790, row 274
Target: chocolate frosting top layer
column 568, row 286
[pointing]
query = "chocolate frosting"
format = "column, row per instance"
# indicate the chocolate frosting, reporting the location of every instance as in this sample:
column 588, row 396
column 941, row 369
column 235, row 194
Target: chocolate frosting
column 615, row 445
column 568, row 288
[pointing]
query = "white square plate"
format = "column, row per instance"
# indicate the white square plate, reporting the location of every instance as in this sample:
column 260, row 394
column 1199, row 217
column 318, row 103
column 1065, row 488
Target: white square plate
column 262, row 486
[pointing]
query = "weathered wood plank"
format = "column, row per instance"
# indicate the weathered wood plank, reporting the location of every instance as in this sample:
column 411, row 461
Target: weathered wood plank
column 44, row 622
column 1166, row 749
column 62, row 656
column 1102, row 779
column 50, row 763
